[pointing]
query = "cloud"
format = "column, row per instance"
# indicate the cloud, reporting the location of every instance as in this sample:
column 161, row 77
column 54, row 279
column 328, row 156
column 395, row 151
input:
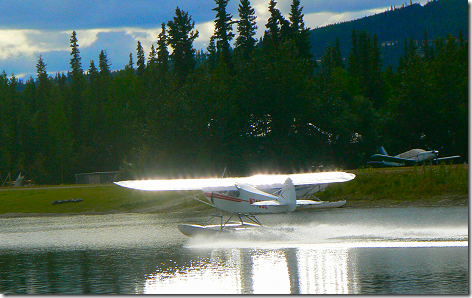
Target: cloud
column 205, row 31
column 20, row 49
column 15, row 43
column 148, row 37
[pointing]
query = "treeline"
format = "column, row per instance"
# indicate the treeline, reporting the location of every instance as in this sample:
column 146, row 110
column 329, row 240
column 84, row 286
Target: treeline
column 260, row 105
column 439, row 18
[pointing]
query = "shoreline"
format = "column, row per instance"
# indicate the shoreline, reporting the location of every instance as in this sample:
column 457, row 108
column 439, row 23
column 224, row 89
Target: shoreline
column 359, row 203
column 418, row 186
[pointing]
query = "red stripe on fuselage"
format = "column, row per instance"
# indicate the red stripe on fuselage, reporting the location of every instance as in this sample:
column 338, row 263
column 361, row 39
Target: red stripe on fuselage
column 223, row 197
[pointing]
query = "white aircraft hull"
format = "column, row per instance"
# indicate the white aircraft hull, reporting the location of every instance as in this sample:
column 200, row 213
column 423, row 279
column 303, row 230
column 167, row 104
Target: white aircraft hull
column 215, row 230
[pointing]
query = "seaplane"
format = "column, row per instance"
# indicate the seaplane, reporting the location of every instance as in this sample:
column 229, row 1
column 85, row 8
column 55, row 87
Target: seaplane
column 244, row 197
column 408, row 158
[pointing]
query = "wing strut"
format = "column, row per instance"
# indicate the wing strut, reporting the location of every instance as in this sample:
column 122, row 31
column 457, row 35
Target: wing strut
column 193, row 196
column 250, row 217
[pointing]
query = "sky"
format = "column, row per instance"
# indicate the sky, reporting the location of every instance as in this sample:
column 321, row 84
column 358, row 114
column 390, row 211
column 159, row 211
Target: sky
column 29, row 29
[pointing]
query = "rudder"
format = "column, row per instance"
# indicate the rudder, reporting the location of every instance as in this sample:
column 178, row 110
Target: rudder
column 288, row 195
column 382, row 150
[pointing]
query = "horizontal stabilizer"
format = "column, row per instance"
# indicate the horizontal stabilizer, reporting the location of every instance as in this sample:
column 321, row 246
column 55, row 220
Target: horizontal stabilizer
column 308, row 202
column 268, row 203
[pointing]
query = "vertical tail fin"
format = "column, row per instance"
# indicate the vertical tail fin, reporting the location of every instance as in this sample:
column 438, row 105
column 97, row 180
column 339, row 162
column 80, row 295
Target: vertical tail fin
column 382, row 150
column 288, row 195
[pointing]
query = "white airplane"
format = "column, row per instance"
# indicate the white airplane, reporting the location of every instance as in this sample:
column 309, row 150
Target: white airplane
column 408, row 158
column 248, row 196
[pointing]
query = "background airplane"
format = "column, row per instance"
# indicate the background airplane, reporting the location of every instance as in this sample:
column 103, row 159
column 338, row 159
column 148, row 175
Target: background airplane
column 408, row 158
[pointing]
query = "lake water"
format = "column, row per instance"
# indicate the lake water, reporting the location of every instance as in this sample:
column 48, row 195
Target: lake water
column 351, row 251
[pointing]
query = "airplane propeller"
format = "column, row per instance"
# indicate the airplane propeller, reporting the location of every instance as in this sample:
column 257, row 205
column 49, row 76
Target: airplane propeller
column 436, row 154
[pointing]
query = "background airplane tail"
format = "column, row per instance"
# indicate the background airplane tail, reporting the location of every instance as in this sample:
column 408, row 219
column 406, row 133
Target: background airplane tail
column 382, row 150
column 288, row 195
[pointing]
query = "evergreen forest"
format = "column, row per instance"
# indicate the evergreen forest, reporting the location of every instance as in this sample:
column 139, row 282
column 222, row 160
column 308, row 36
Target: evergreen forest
column 244, row 104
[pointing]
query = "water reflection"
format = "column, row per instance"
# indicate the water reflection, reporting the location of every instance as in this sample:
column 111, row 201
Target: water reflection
column 217, row 275
column 235, row 271
column 259, row 271
column 323, row 271
column 332, row 270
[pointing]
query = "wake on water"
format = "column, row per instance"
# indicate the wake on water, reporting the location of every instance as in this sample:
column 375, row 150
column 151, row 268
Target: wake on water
column 353, row 227
column 354, row 234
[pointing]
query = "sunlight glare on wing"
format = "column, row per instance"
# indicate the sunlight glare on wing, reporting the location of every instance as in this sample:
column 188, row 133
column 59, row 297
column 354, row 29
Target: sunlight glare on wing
column 262, row 181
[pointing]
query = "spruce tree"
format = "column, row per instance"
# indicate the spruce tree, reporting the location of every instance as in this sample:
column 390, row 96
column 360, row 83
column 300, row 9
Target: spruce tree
column 141, row 62
column 75, row 61
column 40, row 118
column 223, row 32
column 151, row 67
column 247, row 27
column 104, row 76
column 375, row 85
column 93, row 71
column 365, row 66
column 298, row 31
column 353, row 66
column 152, row 59
column 77, row 89
column 181, row 36
column 130, row 65
column 272, row 34
column 162, row 52
column 43, row 83
column 41, row 70
column 94, row 107
column 104, row 64
column 337, row 57
column 211, row 56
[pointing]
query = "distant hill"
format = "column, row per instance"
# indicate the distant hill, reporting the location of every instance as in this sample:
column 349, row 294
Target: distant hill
column 439, row 18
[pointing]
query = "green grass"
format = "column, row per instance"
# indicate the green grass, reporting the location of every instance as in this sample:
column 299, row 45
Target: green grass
column 96, row 199
column 419, row 183
column 371, row 187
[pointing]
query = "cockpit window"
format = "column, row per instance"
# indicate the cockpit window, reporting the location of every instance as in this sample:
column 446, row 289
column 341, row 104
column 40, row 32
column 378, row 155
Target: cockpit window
column 233, row 193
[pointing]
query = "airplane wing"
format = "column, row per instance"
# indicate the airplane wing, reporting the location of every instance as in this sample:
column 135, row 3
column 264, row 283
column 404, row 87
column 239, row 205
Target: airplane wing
column 388, row 158
column 223, row 184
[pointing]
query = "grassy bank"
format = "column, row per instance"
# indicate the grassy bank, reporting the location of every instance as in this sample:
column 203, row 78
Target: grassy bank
column 96, row 199
column 439, row 185
column 410, row 186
